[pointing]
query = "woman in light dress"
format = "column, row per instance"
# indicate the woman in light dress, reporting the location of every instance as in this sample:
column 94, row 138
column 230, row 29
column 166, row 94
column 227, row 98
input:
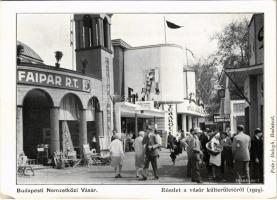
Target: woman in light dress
column 117, row 155
column 215, row 160
column 139, row 153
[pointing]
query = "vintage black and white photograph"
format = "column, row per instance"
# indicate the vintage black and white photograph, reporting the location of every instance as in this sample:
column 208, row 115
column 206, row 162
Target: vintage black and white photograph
column 140, row 98
column 107, row 98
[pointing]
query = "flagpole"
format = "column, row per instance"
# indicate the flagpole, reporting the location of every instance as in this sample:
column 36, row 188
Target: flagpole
column 186, row 55
column 164, row 31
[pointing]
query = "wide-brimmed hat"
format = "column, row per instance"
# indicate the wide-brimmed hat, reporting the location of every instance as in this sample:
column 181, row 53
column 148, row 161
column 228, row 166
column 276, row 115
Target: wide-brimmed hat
column 197, row 130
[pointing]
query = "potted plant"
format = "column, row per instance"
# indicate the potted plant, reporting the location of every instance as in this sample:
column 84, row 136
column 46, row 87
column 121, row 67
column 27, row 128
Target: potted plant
column 58, row 56
column 19, row 51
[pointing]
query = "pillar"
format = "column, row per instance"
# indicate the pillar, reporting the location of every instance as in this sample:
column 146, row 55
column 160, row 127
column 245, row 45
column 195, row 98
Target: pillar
column 19, row 130
column 190, row 122
column 184, row 122
column 100, row 32
column 117, row 117
column 99, row 127
column 83, row 129
column 55, row 135
column 136, row 124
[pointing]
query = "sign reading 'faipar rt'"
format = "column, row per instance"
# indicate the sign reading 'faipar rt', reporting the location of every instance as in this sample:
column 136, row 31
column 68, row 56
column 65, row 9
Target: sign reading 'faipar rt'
column 52, row 80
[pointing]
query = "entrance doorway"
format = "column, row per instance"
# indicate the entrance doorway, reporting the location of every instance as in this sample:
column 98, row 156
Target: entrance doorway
column 69, row 125
column 36, row 121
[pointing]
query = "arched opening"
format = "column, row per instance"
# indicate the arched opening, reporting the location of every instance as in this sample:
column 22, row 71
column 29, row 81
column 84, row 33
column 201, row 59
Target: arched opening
column 94, row 124
column 69, row 124
column 87, row 30
column 106, row 33
column 36, row 121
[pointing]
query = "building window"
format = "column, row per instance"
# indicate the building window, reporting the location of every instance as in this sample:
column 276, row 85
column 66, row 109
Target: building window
column 87, row 31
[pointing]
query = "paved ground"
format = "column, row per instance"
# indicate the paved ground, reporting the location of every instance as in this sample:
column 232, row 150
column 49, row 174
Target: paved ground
column 169, row 174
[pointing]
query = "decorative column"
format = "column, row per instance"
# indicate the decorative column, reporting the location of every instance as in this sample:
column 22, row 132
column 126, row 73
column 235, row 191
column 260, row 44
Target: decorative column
column 184, row 122
column 83, row 129
column 100, row 32
column 55, row 135
column 19, row 130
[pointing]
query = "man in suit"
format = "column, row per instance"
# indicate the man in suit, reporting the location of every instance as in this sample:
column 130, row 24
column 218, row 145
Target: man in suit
column 187, row 144
column 196, row 156
column 241, row 154
column 151, row 152
column 257, row 156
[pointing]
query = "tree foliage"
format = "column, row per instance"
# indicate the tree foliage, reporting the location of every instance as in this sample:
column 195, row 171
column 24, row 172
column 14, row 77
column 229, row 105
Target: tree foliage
column 206, row 78
column 233, row 44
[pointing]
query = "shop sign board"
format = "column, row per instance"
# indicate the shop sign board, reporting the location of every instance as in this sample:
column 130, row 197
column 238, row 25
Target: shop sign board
column 145, row 105
column 219, row 119
column 170, row 118
column 50, row 79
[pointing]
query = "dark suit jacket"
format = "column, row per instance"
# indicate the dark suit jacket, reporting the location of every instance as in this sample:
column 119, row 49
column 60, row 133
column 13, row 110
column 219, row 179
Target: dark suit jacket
column 257, row 149
column 151, row 145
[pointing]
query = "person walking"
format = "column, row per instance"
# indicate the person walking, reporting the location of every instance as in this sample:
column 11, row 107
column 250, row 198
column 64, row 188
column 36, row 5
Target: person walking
column 215, row 159
column 113, row 136
column 117, row 155
column 139, row 153
column 151, row 153
column 196, row 156
column 204, row 139
column 188, row 143
column 226, row 154
column 256, row 155
column 241, row 153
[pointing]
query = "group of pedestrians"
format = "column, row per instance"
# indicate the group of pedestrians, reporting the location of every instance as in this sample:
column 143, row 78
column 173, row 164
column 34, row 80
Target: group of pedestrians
column 239, row 153
column 214, row 150
column 146, row 145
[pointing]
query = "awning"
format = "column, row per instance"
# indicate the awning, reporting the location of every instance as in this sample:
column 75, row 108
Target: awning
column 189, row 107
column 130, row 110
column 239, row 74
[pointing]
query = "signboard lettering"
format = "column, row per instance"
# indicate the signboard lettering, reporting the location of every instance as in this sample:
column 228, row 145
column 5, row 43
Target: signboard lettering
column 52, row 80
column 218, row 119
column 170, row 118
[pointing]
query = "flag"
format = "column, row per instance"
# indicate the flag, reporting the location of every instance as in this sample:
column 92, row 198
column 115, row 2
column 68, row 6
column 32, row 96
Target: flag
column 190, row 52
column 172, row 25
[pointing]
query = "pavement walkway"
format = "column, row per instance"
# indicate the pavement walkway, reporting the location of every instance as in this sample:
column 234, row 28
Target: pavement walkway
column 168, row 173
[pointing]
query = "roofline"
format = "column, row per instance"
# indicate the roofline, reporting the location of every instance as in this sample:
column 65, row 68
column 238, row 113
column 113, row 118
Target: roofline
column 121, row 43
column 156, row 45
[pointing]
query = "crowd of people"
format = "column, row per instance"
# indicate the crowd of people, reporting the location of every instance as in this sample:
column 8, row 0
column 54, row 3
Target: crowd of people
column 238, row 152
column 213, row 150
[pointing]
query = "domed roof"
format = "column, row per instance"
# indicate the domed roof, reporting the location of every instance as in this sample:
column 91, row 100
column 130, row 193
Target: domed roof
column 29, row 55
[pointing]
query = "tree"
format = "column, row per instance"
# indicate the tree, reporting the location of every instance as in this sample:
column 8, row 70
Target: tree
column 233, row 44
column 206, row 78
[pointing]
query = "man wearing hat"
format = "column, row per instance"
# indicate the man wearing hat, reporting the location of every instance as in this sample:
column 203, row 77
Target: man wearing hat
column 256, row 155
column 196, row 156
column 151, row 152
column 241, row 153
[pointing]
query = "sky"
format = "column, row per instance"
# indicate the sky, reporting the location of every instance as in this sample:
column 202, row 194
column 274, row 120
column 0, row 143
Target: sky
column 47, row 33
